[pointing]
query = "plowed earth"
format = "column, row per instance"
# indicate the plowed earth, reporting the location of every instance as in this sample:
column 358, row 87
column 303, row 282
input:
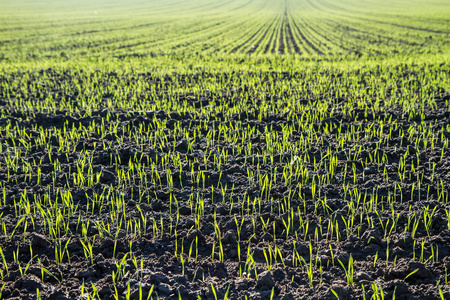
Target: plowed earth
column 179, row 245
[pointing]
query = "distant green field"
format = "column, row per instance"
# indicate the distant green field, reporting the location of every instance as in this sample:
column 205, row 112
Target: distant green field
column 40, row 31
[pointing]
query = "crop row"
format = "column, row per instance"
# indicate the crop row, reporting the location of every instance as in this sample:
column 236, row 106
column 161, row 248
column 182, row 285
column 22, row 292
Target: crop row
column 309, row 28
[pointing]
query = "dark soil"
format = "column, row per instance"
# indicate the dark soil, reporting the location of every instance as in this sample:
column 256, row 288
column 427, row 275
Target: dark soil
column 159, row 242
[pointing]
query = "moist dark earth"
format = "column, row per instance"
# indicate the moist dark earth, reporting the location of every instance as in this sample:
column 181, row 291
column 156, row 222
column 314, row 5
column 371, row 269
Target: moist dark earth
column 198, row 230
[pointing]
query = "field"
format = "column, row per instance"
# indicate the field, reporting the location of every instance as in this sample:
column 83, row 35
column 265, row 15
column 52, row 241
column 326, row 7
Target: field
column 236, row 149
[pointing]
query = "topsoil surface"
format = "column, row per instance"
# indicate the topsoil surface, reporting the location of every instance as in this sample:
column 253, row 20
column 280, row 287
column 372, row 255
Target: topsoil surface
column 386, row 264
